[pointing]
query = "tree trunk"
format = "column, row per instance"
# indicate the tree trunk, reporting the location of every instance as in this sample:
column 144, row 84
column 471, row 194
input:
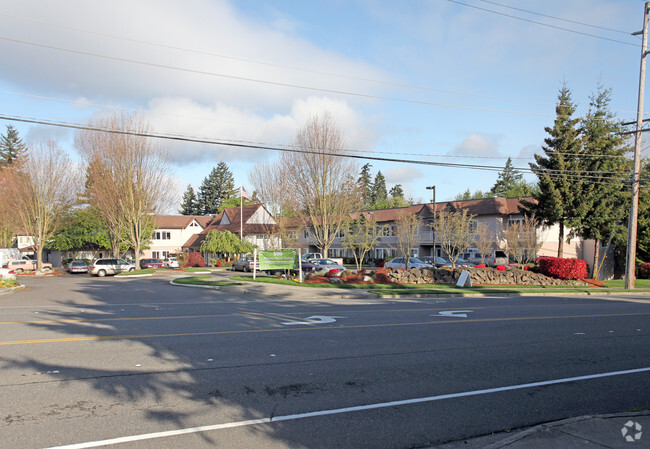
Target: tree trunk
column 595, row 272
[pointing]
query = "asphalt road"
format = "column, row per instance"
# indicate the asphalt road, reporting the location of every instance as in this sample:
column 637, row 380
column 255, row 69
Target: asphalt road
column 85, row 360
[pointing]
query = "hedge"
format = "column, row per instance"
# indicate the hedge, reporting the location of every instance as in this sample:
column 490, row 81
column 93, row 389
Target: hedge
column 644, row 270
column 563, row 268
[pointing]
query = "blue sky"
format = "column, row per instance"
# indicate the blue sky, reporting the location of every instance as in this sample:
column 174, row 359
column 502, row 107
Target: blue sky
column 432, row 80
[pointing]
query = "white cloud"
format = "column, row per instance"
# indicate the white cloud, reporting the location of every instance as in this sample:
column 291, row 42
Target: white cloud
column 403, row 174
column 478, row 144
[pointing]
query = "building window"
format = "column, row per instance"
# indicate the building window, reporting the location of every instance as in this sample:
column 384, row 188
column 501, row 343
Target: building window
column 162, row 235
column 515, row 221
column 473, row 226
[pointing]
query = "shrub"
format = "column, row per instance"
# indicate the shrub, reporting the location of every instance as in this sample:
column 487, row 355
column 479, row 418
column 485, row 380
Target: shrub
column 644, row 271
column 333, row 273
column 195, row 259
column 182, row 259
column 481, row 265
column 563, row 268
column 381, row 276
column 501, row 267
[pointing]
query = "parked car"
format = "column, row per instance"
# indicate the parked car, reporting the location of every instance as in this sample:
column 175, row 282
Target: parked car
column 22, row 265
column 6, row 274
column 322, row 266
column 398, row 263
column 439, row 262
column 150, row 263
column 77, row 266
column 460, row 262
column 310, row 256
column 246, row 263
column 102, row 267
column 493, row 259
column 171, row 262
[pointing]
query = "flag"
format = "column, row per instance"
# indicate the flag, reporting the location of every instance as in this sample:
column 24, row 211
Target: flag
column 244, row 195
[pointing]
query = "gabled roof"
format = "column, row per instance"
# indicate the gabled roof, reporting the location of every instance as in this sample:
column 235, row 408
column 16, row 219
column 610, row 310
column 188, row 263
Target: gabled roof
column 180, row 221
column 484, row 206
column 234, row 217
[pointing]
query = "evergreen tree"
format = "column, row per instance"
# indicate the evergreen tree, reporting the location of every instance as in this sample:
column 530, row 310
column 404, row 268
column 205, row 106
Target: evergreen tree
column 190, row 205
column 365, row 186
column 217, row 187
column 379, row 192
column 558, row 184
column 397, row 191
column 643, row 224
column 507, row 179
column 601, row 210
column 11, row 146
column 467, row 195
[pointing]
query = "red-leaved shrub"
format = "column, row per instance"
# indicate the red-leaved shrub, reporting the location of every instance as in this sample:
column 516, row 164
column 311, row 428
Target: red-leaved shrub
column 563, row 268
column 644, row 271
column 481, row 265
column 333, row 273
column 195, row 260
column 381, row 276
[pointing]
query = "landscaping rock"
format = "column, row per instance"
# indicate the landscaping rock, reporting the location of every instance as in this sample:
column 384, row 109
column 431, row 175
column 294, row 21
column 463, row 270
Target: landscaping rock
column 478, row 275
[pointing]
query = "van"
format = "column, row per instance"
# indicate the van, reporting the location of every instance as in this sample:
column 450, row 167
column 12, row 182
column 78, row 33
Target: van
column 492, row 259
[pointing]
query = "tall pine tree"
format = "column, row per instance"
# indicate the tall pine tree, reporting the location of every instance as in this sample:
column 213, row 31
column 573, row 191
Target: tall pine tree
column 365, row 186
column 190, row 205
column 12, row 147
column 216, row 188
column 379, row 192
column 558, row 184
column 601, row 210
column 508, row 179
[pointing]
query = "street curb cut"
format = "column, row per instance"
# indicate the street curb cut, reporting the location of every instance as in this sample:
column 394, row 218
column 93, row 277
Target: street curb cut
column 210, row 287
column 540, row 427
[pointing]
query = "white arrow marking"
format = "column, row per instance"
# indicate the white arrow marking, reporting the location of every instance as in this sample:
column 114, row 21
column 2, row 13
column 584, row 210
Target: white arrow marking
column 315, row 319
column 454, row 313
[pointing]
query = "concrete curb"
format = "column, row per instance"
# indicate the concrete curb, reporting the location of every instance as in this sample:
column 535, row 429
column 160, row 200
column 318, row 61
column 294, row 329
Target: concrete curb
column 209, row 287
column 541, row 427
column 7, row 291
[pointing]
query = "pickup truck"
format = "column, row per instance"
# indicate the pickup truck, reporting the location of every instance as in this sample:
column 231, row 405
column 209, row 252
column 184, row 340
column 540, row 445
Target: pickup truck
column 22, row 265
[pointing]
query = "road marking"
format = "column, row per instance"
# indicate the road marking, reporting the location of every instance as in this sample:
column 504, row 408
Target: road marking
column 358, row 326
column 336, row 411
column 454, row 313
column 315, row 319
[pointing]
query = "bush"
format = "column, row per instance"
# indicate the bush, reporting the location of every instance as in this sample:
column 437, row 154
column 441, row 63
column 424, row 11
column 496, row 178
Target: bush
column 222, row 263
column 644, row 271
column 333, row 273
column 182, row 259
column 563, row 268
column 195, row 259
column 381, row 276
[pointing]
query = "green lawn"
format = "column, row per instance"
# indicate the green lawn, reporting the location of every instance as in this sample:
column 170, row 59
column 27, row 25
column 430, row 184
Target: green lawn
column 131, row 273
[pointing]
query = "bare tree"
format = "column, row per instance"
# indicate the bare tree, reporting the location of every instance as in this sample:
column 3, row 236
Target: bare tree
column 406, row 234
column 521, row 237
column 128, row 178
column 316, row 184
column 41, row 190
column 484, row 240
column 266, row 180
column 453, row 231
column 360, row 236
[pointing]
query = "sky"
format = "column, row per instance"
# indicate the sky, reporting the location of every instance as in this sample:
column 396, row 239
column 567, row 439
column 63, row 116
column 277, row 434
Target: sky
column 469, row 82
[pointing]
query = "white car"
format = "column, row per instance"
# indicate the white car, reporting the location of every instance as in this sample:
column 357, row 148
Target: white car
column 7, row 274
column 398, row 263
column 171, row 262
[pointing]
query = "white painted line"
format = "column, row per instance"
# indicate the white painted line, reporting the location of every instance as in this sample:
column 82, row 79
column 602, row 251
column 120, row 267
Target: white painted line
column 336, row 411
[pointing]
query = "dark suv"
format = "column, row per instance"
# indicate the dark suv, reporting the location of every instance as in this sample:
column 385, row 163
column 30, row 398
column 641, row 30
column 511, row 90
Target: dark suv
column 102, row 267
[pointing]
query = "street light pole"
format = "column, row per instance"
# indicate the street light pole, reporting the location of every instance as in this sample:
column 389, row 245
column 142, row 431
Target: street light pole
column 433, row 249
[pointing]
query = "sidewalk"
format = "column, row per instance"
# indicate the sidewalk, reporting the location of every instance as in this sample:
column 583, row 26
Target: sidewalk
column 622, row 430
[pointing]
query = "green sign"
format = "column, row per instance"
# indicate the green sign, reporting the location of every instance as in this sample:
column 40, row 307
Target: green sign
column 286, row 259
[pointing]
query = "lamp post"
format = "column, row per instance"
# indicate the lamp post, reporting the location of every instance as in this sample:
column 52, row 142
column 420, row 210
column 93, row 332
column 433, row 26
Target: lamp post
column 433, row 249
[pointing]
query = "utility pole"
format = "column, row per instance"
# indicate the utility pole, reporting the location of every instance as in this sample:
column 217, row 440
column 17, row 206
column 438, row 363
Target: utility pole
column 630, row 265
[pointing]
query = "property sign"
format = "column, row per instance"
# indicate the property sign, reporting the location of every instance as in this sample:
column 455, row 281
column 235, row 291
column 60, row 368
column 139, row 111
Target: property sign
column 286, row 259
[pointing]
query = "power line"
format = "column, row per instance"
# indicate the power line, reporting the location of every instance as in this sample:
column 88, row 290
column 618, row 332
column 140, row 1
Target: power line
column 273, row 83
column 544, row 24
column 557, row 18
column 570, row 174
